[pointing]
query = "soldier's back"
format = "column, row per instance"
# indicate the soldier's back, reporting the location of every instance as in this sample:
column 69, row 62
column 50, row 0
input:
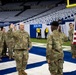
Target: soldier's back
column 57, row 41
column 57, row 45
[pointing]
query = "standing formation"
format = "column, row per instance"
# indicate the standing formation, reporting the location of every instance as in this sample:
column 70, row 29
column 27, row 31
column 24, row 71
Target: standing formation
column 18, row 43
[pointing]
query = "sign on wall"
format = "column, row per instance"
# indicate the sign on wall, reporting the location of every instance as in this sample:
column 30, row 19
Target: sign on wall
column 37, row 25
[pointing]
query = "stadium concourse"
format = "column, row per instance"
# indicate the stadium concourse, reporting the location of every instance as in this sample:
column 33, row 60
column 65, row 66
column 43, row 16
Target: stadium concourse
column 37, row 64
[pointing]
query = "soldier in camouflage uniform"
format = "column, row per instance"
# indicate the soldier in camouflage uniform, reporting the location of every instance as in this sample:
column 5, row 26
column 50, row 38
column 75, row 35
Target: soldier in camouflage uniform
column 73, row 47
column 54, row 52
column 10, row 44
column 4, row 44
column 1, row 43
column 21, row 49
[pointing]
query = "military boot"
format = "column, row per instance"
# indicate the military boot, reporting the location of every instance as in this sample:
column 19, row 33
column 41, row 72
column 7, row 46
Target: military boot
column 23, row 72
column 19, row 73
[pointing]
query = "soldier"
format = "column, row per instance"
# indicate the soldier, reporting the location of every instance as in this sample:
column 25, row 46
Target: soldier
column 1, row 43
column 73, row 47
column 4, row 44
column 54, row 52
column 10, row 44
column 21, row 48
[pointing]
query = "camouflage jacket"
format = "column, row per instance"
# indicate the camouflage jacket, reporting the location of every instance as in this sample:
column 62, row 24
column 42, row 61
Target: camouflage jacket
column 21, row 38
column 5, row 36
column 1, row 39
column 54, row 46
column 9, row 39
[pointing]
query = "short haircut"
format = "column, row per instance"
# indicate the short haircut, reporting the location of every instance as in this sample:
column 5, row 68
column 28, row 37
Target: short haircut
column 70, row 23
column 21, row 23
column 55, row 23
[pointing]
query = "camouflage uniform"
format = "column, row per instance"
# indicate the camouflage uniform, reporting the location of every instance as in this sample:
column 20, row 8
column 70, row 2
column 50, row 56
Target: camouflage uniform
column 73, row 47
column 54, row 52
column 22, row 43
column 1, row 43
column 10, row 44
column 4, row 44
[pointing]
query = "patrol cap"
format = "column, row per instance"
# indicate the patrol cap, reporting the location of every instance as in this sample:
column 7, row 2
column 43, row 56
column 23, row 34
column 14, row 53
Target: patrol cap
column 54, row 23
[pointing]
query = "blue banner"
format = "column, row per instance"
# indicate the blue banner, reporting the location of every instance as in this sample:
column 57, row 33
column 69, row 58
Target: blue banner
column 37, row 25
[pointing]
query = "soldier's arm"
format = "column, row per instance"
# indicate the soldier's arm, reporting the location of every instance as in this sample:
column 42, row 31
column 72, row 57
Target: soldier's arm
column 10, row 32
column 29, row 43
column 48, row 47
column 13, row 33
column 5, row 36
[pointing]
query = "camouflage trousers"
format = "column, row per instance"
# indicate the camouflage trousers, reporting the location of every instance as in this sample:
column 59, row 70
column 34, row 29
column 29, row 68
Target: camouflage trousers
column 21, row 57
column 73, row 50
column 10, row 46
column 56, row 67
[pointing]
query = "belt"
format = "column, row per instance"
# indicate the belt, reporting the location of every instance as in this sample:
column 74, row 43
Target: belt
column 20, row 49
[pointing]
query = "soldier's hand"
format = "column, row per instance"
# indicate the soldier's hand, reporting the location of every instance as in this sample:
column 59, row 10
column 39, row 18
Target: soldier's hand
column 28, row 49
column 12, row 26
column 49, row 61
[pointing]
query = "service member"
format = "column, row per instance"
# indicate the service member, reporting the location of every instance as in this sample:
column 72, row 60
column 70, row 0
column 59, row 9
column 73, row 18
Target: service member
column 54, row 52
column 21, row 48
column 73, row 46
